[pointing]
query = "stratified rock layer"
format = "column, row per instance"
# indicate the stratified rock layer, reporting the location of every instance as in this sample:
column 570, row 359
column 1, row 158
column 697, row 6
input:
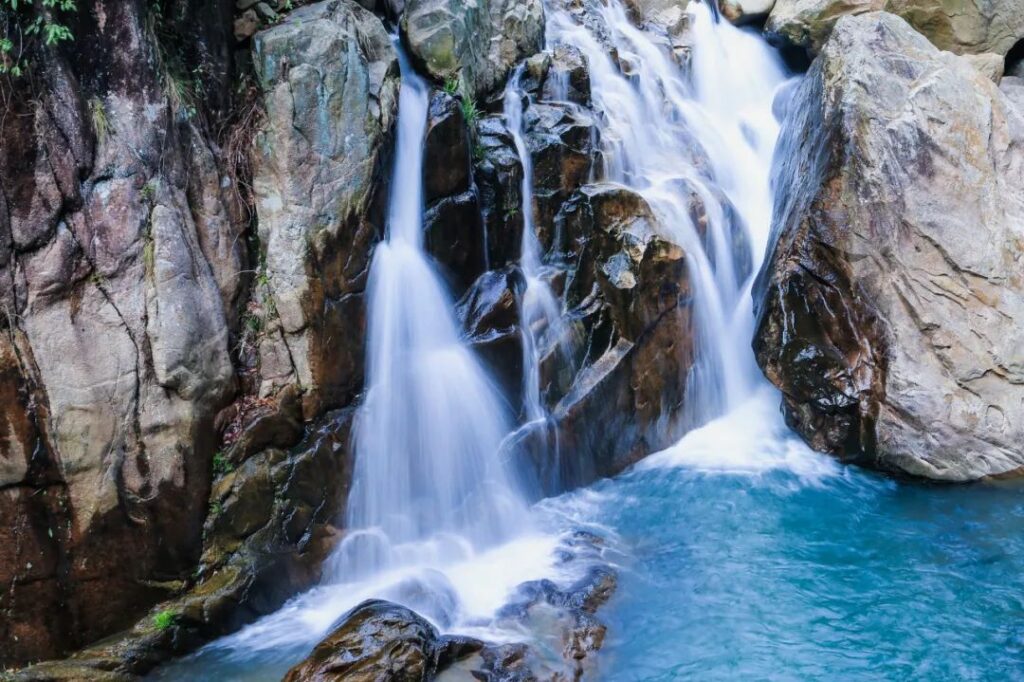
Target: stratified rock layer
column 891, row 308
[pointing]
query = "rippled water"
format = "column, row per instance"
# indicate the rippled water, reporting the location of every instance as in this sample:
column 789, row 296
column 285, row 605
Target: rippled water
column 783, row 565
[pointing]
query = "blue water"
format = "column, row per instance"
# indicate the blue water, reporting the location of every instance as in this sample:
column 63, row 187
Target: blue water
column 774, row 575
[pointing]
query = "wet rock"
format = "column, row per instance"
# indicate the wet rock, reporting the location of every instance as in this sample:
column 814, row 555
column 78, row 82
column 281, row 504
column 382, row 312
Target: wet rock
column 893, row 332
column 380, row 640
column 562, row 142
column 270, row 527
column 629, row 293
column 454, row 237
column 964, row 28
column 318, row 170
column 490, row 317
column 476, row 43
column 446, row 149
column 377, row 640
column 499, row 177
column 566, row 77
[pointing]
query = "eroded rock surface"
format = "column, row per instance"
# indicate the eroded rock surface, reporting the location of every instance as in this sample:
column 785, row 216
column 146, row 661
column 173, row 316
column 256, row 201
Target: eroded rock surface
column 891, row 308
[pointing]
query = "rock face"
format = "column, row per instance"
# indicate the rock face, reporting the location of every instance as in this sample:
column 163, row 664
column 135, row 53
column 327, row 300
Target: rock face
column 961, row 27
column 117, row 255
column 476, row 42
column 330, row 77
column 891, row 307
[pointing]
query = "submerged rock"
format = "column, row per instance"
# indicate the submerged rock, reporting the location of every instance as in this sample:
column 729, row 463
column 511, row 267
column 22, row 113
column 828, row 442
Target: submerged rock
column 961, row 27
column 891, row 306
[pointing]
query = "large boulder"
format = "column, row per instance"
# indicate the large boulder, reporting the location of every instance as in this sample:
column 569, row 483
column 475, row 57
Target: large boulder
column 891, row 307
column 330, row 77
column 116, row 267
column 961, row 27
column 475, row 42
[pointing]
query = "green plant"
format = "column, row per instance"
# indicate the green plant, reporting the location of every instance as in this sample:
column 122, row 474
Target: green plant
column 451, row 86
column 149, row 191
column 98, row 114
column 221, row 464
column 216, row 508
column 469, row 110
column 27, row 22
column 164, row 619
column 479, row 152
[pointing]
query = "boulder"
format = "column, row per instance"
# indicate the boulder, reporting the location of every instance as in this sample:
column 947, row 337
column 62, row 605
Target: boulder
column 377, row 640
column 745, row 11
column 330, row 79
column 961, row 27
column 475, row 43
column 891, row 305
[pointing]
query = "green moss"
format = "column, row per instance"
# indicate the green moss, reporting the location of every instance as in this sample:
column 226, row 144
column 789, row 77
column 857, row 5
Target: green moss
column 164, row 619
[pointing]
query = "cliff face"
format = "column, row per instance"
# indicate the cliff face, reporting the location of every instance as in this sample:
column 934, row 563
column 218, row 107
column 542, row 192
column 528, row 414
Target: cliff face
column 120, row 247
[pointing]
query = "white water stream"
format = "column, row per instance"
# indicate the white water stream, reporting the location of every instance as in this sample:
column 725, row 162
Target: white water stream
column 437, row 517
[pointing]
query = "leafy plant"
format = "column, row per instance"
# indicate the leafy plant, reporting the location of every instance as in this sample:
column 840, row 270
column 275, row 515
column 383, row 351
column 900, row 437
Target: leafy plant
column 469, row 110
column 164, row 619
column 451, row 86
column 25, row 24
column 221, row 464
column 98, row 114
column 216, row 508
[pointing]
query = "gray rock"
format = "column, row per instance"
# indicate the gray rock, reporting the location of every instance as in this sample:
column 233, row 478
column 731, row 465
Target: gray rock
column 891, row 307
column 475, row 42
column 330, row 77
column 961, row 27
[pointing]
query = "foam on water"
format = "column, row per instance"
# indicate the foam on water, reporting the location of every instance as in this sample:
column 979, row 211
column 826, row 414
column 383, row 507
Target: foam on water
column 750, row 439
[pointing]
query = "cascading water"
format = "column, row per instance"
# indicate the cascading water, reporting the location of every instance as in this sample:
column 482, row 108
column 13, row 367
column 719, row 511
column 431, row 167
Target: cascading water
column 669, row 139
column 539, row 311
column 428, row 475
column 433, row 489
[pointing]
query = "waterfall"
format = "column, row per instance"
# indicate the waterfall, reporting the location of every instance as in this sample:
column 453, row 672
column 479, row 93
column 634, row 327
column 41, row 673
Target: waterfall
column 428, row 481
column 437, row 517
column 671, row 138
